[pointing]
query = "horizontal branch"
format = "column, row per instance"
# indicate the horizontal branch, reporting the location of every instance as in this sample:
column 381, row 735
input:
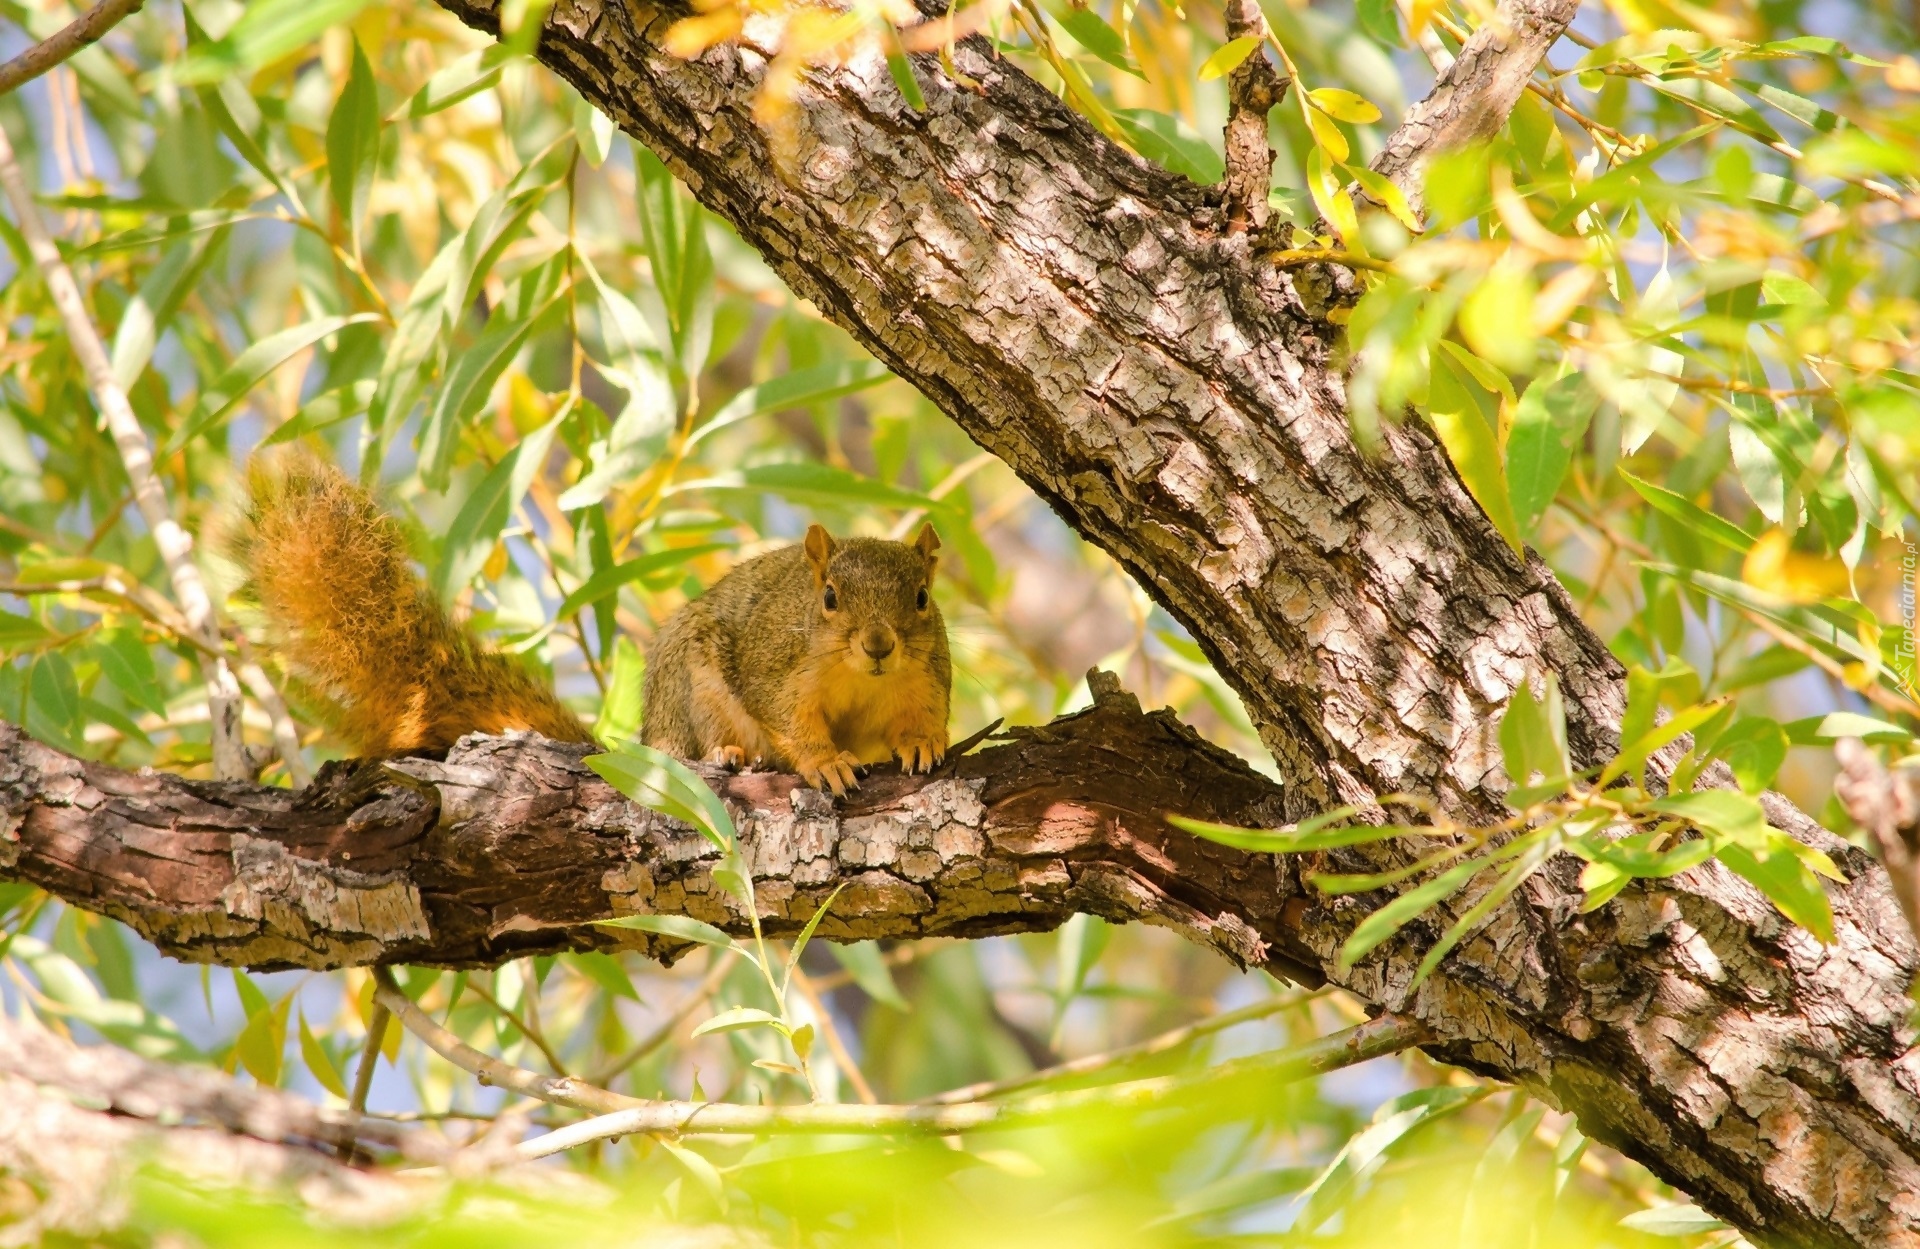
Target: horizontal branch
column 66, row 42
column 618, row 1115
column 511, row 846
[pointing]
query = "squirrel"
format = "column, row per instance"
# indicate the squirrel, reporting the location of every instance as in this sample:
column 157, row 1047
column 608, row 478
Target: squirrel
column 819, row 658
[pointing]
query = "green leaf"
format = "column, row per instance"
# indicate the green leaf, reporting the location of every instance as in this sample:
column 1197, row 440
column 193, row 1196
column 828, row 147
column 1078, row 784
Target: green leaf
column 1723, row 814
column 21, row 633
column 1784, row 288
column 353, row 144
column 815, row 483
column 220, row 397
column 1471, row 446
column 535, row 300
column 797, row 389
column 1313, row 834
column 900, row 68
column 681, row 927
column 56, row 694
column 1540, row 849
column 1342, row 105
column 593, row 131
column 1227, row 57
column 619, row 717
column 1770, row 664
column 486, row 512
column 266, row 31
column 1387, row 193
column 654, row 778
column 320, row 1062
column 868, row 967
column 1171, row 144
column 1691, row 515
column 604, row 970
column 468, row 76
column 1827, row 729
column 740, row 1017
column 704, row 1173
column 1633, row 756
column 1380, row 20
column 1673, row 1221
column 806, row 934
column 1091, row 32
column 608, row 580
column 1548, row 424
column 323, row 412
column 1782, row 873
column 1389, row 919
column 1533, row 736
column 1754, row 747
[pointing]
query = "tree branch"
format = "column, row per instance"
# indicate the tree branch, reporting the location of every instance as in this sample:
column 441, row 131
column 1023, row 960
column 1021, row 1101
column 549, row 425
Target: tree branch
column 136, row 456
column 1253, row 88
column 1475, row 92
column 83, row 31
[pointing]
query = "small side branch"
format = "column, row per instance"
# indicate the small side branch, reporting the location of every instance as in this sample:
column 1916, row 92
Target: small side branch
column 136, row 456
column 628, row 1116
column 1474, row 94
column 69, row 40
column 1253, row 88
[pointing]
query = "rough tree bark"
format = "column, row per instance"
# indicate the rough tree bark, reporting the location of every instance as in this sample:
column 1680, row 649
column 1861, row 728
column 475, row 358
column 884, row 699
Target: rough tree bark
column 1094, row 322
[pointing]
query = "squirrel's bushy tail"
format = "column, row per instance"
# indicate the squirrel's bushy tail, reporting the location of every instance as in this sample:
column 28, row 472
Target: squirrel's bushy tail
column 350, row 619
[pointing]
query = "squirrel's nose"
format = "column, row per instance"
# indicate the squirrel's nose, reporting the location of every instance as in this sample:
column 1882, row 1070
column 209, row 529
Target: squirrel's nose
column 877, row 642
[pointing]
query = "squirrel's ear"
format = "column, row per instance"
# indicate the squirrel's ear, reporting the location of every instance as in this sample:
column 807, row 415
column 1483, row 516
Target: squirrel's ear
column 927, row 543
column 819, row 549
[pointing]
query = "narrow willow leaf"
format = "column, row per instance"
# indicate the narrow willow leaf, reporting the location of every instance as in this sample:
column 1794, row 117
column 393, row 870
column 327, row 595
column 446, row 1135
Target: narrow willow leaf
column 1471, row 445
column 1548, row 423
column 806, row 934
column 488, row 508
column 1533, row 736
column 1343, row 105
column 1541, row 847
column 682, row 927
column 1788, row 883
column 1307, row 836
column 220, row 397
column 868, row 967
column 619, row 717
column 741, row 1017
column 353, row 144
column 1091, row 32
column 1633, row 756
column 1387, row 193
column 1395, row 915
column 1691, row 515
column 655, row 778
column 1170, row 143
column 320, row 1062
column 468, row 76
column 1227, row 57
column 797, row 389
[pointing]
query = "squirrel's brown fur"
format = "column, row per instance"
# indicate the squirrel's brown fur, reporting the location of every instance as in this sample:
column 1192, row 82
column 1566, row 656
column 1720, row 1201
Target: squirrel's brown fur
column 353, row 623
column 818, row 658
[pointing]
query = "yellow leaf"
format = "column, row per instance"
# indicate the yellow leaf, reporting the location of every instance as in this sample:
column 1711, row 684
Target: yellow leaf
column 1497, row 317
column 1419, row 14
column 1344, row 105
column 690, row 36
column 1383, row 191
column 1227, row 58
column 1774, row 566
column 1326, row 135
column 1331, row 199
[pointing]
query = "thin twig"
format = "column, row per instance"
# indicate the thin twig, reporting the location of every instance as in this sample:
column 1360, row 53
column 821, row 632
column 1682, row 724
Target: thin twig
column 68, row 40
column 136, row 455
column 531, row 1032
column 709, row 985
column 830, row 1033
column 1126, row 1054
column 618, row 1115
column 363, row 1076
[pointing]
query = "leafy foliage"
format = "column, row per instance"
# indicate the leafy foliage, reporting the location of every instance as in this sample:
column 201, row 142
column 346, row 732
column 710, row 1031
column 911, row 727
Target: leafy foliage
column 1663, row 324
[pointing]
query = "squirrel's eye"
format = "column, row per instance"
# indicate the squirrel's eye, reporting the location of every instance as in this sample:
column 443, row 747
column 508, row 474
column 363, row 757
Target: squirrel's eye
column 920, row 599
column 830, row 600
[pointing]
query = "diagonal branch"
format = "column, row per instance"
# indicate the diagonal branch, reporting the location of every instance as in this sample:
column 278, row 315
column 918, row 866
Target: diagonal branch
column 136, row 456
column 1475, row 93
column 70, row 39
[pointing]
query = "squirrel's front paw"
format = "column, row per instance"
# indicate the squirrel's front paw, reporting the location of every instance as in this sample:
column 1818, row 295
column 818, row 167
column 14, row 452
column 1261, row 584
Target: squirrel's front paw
column 833, row 772
column 922, row 755
column 728, row 757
